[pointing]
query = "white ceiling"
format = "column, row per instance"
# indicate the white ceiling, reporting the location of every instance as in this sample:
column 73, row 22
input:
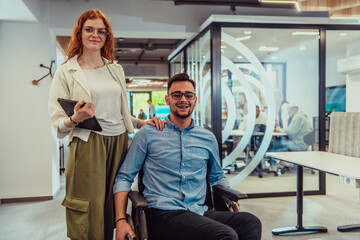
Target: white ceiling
column 15, row 10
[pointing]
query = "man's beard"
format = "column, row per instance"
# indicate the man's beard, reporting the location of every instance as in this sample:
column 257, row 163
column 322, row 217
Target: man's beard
column 176, row 113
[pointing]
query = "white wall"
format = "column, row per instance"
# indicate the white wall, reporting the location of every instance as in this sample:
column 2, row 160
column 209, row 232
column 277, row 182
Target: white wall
column 302, row 77
column 28, row 166
column 352, row 81
column 333, row 77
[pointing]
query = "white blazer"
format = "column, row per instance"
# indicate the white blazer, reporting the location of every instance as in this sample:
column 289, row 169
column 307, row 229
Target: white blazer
column 70, row 83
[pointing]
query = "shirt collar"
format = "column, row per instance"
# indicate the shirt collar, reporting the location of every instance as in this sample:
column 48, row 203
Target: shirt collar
column 172, row 125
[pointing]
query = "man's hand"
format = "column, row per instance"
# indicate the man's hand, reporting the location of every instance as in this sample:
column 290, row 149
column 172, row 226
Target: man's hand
column 277, row 128
column 155, row 121
column 122, row 230
column 236, row 206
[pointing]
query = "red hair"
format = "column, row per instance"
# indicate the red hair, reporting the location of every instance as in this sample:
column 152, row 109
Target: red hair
column 75, row 46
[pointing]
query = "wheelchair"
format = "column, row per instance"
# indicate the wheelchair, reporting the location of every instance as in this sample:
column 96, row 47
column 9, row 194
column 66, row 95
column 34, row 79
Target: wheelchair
column 218, row 198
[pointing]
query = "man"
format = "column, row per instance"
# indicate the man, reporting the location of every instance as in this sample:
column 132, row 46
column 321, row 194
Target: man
column 151, row 109
column 261, row 118
column 299, row 126
column 174, row 163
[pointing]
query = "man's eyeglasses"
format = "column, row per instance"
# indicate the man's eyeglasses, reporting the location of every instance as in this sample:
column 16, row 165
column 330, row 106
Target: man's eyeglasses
column 101, row 32
column 178, row 95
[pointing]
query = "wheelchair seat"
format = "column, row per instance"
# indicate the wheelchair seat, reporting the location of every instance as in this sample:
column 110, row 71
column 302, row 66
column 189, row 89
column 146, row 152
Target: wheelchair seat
column 218, row 198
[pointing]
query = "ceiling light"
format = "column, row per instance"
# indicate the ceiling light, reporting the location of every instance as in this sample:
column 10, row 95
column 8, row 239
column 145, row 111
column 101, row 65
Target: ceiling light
column 239, row 57
column 274, row 57
column 304, row 33
column 268, row 49
column 132, row 50
column 296, row 4
column 243, row 38
column 247, row 32
column 343, row 34
column 223, row 47
column 222, row 50
column 302, row 48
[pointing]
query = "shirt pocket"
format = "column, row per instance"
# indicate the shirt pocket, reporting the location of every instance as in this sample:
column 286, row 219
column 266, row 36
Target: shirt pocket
column 198, row 157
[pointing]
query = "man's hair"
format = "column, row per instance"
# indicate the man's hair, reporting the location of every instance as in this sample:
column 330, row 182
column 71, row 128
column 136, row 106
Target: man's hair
column 75, row 46
column 180, row 77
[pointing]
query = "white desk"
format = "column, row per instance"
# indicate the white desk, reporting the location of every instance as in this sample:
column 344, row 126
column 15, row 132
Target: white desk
column 323, row 161
column 240, row 133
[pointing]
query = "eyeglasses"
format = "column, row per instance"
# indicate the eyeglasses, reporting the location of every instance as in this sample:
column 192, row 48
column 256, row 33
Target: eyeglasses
column 178, row 95
column 101, row 32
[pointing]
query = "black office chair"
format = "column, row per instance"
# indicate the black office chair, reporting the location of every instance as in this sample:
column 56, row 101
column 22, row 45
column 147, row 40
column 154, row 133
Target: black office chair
column 257, row 142
column 219, row 198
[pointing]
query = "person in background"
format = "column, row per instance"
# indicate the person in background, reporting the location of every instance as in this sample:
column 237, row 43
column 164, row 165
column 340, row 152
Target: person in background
column 151, row 109
column 261, row 118
column 175, row 166
column 142, row 115
column 91, row 77
column 299, row 126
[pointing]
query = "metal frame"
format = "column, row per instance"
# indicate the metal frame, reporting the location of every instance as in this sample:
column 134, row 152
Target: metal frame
column 215, row 33
column 131, row 99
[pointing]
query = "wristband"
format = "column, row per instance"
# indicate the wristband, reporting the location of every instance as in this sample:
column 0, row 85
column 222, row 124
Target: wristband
column 76, row 123
column 120, row 220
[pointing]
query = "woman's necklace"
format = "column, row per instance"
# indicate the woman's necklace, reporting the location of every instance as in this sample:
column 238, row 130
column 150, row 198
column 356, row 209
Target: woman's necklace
column 98, row 65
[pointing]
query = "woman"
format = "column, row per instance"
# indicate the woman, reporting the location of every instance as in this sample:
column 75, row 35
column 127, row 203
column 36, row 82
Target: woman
column 90, row 77
column 142, row 115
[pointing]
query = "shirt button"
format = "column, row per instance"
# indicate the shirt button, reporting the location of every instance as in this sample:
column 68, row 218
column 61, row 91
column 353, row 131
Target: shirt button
column 184, row 177
column 183, row 164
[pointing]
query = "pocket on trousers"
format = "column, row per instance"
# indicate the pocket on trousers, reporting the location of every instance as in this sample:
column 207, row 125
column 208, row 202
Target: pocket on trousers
column 77, row 217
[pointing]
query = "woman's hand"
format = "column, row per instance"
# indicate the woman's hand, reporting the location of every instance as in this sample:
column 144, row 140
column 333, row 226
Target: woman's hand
column 82, row 111
column 122, row 230
column 157, row 122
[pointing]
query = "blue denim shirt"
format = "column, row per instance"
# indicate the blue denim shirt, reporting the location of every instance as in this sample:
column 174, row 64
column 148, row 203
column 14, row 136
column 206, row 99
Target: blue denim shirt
column 175, row 166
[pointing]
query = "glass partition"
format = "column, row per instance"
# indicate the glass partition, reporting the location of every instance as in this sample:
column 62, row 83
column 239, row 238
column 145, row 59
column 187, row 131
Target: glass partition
column 198, row 68
column 267, row 73
column 340, row 45
column 177, row 64
column 269, row 77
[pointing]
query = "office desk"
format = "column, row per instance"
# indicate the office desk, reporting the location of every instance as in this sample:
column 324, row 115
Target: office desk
column 336, row 164
column 239, row 133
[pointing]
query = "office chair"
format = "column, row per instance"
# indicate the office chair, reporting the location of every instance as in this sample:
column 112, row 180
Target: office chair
column 256, row 144
column 219, row 198
column 309, row 139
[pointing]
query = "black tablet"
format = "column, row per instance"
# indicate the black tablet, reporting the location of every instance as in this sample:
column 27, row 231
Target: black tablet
column 68, row 106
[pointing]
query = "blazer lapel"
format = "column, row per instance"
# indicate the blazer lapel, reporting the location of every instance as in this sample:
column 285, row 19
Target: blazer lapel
column 78, row 75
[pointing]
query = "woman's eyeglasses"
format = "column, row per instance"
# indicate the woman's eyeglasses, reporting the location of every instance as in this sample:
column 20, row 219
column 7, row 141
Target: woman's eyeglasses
column 178, row 95
column 101, row 32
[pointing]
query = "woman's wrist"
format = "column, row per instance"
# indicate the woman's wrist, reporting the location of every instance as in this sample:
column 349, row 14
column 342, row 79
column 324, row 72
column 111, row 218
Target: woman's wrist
column 73, row 121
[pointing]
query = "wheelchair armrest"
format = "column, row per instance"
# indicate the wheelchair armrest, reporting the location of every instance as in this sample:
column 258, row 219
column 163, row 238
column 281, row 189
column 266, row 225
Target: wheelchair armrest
column 137, row 199
column 232, row 194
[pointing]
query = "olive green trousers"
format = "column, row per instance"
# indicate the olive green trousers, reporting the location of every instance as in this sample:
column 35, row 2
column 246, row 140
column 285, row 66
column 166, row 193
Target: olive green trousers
column 91, row 168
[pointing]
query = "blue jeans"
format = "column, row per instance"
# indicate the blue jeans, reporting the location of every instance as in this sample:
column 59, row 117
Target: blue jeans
column 282, row 144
